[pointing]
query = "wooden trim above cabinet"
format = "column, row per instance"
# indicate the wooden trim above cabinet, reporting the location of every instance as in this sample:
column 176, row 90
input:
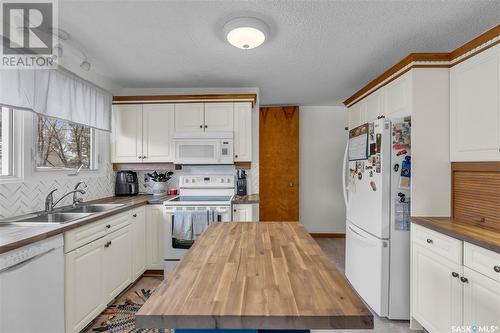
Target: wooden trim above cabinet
column 426, row 60
column 210, row 98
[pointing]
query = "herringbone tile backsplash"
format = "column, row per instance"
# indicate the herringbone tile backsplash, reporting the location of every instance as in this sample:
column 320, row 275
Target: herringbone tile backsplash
column 29, row 196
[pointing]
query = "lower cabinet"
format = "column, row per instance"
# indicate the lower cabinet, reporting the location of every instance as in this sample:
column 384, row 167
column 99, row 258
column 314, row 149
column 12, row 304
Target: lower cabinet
column 117, row 262
column 446, row 293
column 245, row 212
column 154, row 236
column 139, row 248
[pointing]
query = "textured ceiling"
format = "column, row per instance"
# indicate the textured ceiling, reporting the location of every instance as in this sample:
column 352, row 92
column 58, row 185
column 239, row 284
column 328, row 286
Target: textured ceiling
column 319, row 52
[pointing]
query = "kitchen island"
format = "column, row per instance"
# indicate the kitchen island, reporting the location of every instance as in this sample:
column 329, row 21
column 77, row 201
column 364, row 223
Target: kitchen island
column 246, row 275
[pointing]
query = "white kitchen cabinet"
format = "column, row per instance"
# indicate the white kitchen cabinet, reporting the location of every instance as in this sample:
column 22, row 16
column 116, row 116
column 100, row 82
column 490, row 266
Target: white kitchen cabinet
column 142, row 133
column 481, row 300
column 85, row 281
column 158, row 132
column 357, row 114
column 118, row 262
column 139, row 248
column 474, row 108
column 154, row 236
column 242, row 132
column 245, row 212
column 398, row 97
column 126, row 142
column 189, row 117
column 374, row 105
column 436, row 292
column 219, row 117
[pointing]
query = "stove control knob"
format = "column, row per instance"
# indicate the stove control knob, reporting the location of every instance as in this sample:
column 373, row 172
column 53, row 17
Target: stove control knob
column 222, row 180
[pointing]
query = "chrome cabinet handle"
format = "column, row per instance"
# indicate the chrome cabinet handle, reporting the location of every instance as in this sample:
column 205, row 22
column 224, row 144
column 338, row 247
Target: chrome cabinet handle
column 144, row 157
column 464, row 279
column 139, row 157
column 135, row 215
column 206, row 126
column 496, row 269
column 108, row 226
column 429, row 241
column 107, row 244
column 201, row 126
column 454, row 274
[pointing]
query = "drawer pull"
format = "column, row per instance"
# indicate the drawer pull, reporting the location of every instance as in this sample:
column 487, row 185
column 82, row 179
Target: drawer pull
column 429, row 241
column 464, row 279
column 454, row 274
column 135, row 215
column 108, row 226
column 107, row 244
column 496, row 269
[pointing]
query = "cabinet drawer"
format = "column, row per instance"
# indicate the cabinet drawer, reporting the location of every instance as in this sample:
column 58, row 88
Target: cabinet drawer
column 438, row 243
column 482, row 261
column 85, row 234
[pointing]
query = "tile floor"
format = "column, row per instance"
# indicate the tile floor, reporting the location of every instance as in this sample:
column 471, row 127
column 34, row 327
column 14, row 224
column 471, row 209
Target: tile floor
column 334, row 249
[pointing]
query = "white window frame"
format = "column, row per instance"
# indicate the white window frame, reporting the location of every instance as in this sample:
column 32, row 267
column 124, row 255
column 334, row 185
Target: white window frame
column 13, row 160
column 94, row 159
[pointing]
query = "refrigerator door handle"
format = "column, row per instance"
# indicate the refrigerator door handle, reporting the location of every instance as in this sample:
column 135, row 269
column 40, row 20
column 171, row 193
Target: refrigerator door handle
column 344, row 170
column 360, row 236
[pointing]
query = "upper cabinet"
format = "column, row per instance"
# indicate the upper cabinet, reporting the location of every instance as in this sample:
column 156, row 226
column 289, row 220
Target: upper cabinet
column 242, row 132
column 204, row 117
column 142, row 133
column 126, row 141
column 189, row 117
column 357, row 114
column 219, row 117
column 397, row 97
column 374, row 105
column 474, row 108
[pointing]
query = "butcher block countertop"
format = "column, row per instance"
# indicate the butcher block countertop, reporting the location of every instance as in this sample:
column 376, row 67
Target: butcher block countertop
column 480, row 236
column 13, row 236
column 243, row 275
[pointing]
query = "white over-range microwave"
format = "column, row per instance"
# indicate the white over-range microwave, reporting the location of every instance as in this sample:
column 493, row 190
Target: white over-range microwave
column 204, row 148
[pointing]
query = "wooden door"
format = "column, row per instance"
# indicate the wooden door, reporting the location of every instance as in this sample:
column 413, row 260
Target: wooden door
column 189, row 117
column 219, row 117
column 127, row 134
column 279, row 163
column 158, row 133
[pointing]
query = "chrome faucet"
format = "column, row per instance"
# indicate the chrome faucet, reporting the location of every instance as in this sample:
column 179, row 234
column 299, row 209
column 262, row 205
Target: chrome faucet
column 77, row 200
column 49, row 200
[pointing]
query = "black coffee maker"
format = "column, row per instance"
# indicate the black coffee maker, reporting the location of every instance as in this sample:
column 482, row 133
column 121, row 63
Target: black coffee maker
column 241, row 182
column 126, row 183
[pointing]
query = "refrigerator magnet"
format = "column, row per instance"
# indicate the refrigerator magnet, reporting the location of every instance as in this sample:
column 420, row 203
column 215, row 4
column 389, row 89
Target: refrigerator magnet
column 373, row 185
column 360, row 175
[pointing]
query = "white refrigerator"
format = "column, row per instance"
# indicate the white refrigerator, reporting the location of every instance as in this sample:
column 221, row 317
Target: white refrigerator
column 377, row 178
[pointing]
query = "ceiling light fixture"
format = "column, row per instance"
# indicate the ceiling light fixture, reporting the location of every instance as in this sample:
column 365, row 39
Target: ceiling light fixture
column 246, row 32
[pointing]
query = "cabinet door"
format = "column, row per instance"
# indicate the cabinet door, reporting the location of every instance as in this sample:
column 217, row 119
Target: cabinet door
column 397, row 97
column 154, row 237
column 436, row 293
column 158, row 132
column 357, row 114
column 126, row 145
column 189, row 117
column 481, row 300
column 118, row 262
column 219, row 117
column 138, row 231
column 84, row 285
column 474, row 108
column 242, row 132
column 374, row 105
column 243, row 213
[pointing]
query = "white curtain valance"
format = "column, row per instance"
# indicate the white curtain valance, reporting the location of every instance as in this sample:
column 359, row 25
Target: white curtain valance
column 58, row 94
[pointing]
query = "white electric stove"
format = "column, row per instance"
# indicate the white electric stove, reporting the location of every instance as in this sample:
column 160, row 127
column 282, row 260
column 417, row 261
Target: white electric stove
column 207, row 193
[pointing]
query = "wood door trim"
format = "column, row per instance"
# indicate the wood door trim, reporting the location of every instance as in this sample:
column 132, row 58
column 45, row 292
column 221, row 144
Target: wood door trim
column 433, row 60
column 208, row 98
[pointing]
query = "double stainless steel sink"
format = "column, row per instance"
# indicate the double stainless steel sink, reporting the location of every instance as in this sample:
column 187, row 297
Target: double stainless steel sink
column 64, row 215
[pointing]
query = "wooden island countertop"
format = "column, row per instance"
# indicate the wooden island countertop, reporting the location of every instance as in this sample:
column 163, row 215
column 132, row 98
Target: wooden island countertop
column 244, row 275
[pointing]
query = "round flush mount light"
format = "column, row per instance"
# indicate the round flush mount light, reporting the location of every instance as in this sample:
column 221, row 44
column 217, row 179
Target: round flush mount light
column 246, row 32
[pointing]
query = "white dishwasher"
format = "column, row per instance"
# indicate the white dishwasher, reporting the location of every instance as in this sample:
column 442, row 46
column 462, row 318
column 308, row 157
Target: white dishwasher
column 32, row 288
